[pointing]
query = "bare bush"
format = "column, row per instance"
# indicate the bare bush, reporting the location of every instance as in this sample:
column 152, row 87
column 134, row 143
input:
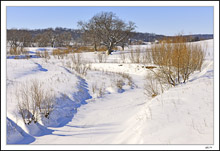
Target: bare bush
column 151, row 88
column 131, row 56
column 26, row 106
column 146, row 56
column 61, row 53
column 135, row 55
column 76, row 58
column 101, row 57
column 33, row 101
column 94, row 87
column 126, row 76
column 155, row 84
column 37, row 94
column 101, row 92
column 122, row 56
column 48, row 105
column 45, row 54
column 98, row 90
column 68, row 64
column 38, row 54
column 80, row 66
column 17, row 51
column 119, row 84
column 177, row 59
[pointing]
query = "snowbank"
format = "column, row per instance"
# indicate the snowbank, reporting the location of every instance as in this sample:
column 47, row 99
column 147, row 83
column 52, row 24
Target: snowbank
column 108, row 104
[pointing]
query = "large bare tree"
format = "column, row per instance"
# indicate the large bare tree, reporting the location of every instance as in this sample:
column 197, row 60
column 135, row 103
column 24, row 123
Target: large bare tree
column 107, row 29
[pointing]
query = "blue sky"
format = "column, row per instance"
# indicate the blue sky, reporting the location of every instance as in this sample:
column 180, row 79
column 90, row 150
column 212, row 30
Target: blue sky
column 159, row 20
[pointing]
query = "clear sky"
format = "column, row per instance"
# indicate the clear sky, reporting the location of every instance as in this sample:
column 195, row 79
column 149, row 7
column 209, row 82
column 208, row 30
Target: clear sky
column 159, row 20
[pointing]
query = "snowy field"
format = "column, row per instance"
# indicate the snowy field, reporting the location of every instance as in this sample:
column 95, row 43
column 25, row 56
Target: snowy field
column 107, row 105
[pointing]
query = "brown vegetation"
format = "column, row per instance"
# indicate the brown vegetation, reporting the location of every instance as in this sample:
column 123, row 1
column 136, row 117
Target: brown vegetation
column 177, row 59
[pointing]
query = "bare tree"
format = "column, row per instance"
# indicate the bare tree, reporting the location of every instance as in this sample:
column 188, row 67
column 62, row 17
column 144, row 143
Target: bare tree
column 107, row 29
column 42, row 40
column 25, row 38
column 51, row 36
column 67, row 37
column 89, row 33
column 46, row 38
column 63, row 39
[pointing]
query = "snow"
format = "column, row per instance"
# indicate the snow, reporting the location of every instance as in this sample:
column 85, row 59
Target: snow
column 92, row 109
column 188, row 109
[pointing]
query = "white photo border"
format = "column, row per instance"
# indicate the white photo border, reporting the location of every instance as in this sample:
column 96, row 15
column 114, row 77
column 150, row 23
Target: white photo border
column 4, row 4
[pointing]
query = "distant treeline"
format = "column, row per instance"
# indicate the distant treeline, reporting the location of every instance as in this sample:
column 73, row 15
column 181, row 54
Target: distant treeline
column 151, row 37
column 198, row 37
column 59, row 37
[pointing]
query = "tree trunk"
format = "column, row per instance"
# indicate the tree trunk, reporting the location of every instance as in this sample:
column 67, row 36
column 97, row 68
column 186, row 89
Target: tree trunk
column 110, row 49
column 123, row 47
column 95, row 47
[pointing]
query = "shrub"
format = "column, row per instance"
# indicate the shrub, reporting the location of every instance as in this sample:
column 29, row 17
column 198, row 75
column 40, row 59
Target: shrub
column 45, row 54
column 122, row 56
column 38, row 54
column 33, row 100
column 119, row 84
column 101, row 57
column 126, row 76
column 146, row 56
column 177, row 59
column 153, row 86
column 80, row 66
column 48, row 105
column 135, row 55
column 26, row 106
column 17, row 51
column 94, row 87
column 101, row 92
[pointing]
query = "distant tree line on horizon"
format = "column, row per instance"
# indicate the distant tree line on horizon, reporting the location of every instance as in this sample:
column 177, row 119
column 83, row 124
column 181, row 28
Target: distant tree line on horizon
column 30, row 36
column 65, row 37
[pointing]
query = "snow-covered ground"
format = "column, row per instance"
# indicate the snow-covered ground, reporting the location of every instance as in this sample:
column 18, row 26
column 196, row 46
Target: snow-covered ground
column 108, row 104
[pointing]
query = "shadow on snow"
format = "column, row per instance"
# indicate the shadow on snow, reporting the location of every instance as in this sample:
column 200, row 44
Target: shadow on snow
column 27, row 139
column 37, row 69
column 67, row 107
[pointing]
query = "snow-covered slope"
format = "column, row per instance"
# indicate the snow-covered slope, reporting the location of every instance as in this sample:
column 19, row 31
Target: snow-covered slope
column 91, row 109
